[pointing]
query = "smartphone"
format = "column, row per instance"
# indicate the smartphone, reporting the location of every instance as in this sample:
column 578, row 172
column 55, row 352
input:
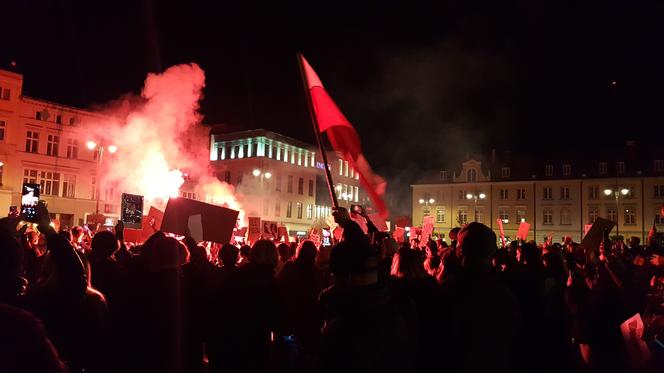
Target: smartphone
column 131, row 210
column 357, row 209
column 29, row 200
column 327, row 238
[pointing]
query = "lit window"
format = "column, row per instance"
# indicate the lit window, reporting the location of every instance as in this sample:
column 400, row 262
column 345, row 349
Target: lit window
column 440, row 214
column 426, row 211
column 503, row 213
column 462, row 218
column 520, row 215
column 299, row 210
column 310, row 211
column 504, row 194
column 505, row 172
column 521, row 193
column 346, row 168
column 31, row 142
column 593, row 214
column 564, row 193
column 611, row 213
column 548, row 193
column 357, row 194
column 49, row 183
column 630, row 216
column 471, row 176
column 593, row 192
column 289, row 209
column 69, row 186
column 72, row 149
column 299, row 159
column 341, row 167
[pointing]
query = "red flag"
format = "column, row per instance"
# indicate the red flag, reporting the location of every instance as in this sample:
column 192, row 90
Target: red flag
column 343, row 137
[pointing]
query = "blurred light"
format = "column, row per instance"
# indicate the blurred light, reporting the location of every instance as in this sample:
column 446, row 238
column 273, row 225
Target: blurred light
column 91, row 144
column 624, row 191
column 268, row 175
column 469, row 196
column 2, row 163
column 523, row 220
column 608, row 192
column 407, row 229
column 256, row 172
column 421, row 200
column 431, row 200
column 112, row 149
column 338, row 187
column 506, row 221
column 482, row 196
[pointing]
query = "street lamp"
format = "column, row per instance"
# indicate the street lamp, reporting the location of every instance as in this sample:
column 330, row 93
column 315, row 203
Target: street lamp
column 100, row 154
column 475, row 197
column 617, row 193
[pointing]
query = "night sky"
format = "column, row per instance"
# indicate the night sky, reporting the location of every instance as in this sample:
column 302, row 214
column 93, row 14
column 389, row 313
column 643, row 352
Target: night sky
column 424, row 83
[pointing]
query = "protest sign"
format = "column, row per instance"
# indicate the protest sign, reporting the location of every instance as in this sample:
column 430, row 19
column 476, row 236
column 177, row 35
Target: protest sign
column 522, row 233
column 637, row 349
column 149, row 225
column 427, row 228
column 315, row 238
column 269, row 229
column 379, row 222
column 215, row 223
column 596, row 234
column 398, row 234
column 254, row 229
column 502, row 231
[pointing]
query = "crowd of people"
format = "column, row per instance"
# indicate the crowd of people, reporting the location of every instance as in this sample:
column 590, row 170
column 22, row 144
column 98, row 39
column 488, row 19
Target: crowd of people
column 73, row 302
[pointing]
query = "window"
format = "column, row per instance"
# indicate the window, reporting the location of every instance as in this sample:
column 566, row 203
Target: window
column 443, row 175
column 94, row 189
column 58, row 119
column 292, row 156
column 440, row 214
column 565, row 216
column 346, row 168
column 503, row 214
column 659, row 191
column 658, row 165
column 38, row 115
column 593, row 192
column 300, row 186
column 462, row 194
column 30, row 176
column 659, row 219
column 73, row 121
column 2, row 170
column 341, row 167
column 630, row 216
column 3, row 128
column 299, row 210
column 357, row 194
column 254, row 149
column 52, row 145
column 620, row 168
column 479, row 215
column 311, row 188
column 277, row 183
column 593, row 214
column 426, row 210
column 471, row 175
column 611, row 213
column 520, row 215
column 521, row 193
column 5, row 94
column 504, row 194
column 564, row 193
column 567, row 169
column 31, row 141
column 72, row 149
column 547, row 216
column 505, row 172
column 462, row 219
column 547, row 193
column 289, row 186
column 603, row 168
column 50, row 183
column 277, row 208
column 289, row 209
column 310, row 211
column 278, row 152
column 69, row 186
column 548, row 170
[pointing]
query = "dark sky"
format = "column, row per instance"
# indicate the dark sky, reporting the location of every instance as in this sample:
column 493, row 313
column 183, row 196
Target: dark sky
column 423, row 82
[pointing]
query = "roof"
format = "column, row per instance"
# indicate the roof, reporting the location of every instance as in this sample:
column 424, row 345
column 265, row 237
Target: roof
column 219, row 134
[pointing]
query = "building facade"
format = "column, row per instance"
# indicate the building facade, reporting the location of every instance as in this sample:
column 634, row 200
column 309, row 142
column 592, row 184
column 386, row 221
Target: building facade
column 41, row 142
column 278, row 178
column 551, row 197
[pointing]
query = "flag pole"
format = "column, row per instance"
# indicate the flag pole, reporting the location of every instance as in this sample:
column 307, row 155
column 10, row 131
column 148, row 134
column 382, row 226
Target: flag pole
column 314, row 121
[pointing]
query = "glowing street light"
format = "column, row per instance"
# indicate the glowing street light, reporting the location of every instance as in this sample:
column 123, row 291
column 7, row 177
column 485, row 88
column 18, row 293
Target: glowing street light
column 100, row 149
column 268, row 175
column 256, row 172
column 91, row 144
column 112, row 149
column 475, row 197
column 617, row 193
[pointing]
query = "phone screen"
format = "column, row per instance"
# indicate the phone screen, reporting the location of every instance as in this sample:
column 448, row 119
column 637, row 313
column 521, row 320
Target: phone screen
column 132, row 210
column 326, row 239
column 29, row 200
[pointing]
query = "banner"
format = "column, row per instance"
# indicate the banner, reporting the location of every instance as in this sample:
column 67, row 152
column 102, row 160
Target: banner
column 282, row 233
column 207, row 222
column 379, row 222
column 398, row 234
column 522, row 233
column 427, row 228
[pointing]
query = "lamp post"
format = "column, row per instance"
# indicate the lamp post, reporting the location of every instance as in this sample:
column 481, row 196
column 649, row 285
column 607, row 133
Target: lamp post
column 617, row 193
column 475, row 197
column 262, row 175
column 426, row 202
column 100, row 154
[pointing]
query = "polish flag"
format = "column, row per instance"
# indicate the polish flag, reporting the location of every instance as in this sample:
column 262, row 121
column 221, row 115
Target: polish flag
column 344, row 138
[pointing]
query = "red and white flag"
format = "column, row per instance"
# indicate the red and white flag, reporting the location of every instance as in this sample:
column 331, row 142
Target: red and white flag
column 343, row 137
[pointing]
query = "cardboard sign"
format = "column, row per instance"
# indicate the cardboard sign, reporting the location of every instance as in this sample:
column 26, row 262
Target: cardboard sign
column 427, row 228
column 596, row 233
column 398, row 234
column 150, row 224
column 282, row 233
column 502, row 231
column 586, row 229
column 637, row 349
column 216, row 222
column 269, row 229
column 522, row 233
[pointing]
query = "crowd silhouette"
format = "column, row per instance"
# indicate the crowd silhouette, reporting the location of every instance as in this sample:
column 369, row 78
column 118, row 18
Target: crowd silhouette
column 73, row 301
